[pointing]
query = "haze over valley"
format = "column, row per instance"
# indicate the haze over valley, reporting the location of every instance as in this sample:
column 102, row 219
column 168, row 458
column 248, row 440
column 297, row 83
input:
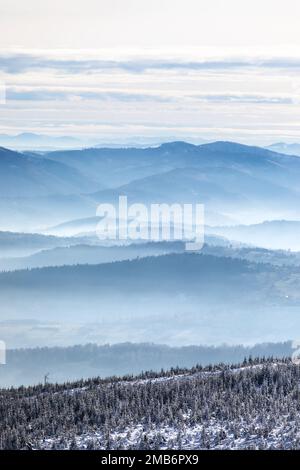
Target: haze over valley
column 61, row 285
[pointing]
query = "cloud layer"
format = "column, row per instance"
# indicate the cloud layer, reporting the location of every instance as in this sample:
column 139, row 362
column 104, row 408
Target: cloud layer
column 20, row 63
column 127, row 97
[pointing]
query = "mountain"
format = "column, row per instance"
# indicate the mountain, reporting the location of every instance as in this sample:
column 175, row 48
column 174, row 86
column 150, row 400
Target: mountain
column 196, row 270
column 250, row 253
column 222, row 190
column 30, row 141
column 176, row 299
column 75, row 254
column 25, row 244
column 69, row 251
column 237, row 183
column 21, row 252
column 27, row 366
column 35, row 214
column 275, row 234
column 25, row 176
column 88, row 225
column 75, row 227
column 116, row 167
column 288, row 149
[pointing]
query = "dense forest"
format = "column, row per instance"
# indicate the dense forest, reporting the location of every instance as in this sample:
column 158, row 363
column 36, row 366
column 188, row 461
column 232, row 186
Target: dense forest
column 252, row 405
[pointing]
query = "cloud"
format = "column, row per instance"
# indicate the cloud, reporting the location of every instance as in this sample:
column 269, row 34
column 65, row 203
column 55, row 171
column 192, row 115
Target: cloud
column 44, row 94
column 20, row 63
column 244, row 98
column 132, row 94
column 73, row 95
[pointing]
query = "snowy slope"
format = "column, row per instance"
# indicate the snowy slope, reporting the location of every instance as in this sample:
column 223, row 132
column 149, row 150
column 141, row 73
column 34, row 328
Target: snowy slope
column 254, row 405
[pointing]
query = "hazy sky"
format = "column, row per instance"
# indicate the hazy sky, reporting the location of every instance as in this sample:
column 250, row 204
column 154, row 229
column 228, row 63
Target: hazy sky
column 124, row 70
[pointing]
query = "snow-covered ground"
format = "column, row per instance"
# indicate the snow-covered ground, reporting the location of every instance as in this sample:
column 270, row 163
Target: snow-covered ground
column 247, row 429
column 214, row 434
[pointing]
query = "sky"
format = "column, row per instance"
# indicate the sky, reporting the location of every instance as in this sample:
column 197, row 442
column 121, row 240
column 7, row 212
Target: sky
column 122, row 71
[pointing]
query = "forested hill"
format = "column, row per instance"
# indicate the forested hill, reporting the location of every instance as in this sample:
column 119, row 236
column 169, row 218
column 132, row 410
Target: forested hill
column 28, row 366
column 169, row 269
column 253, row 405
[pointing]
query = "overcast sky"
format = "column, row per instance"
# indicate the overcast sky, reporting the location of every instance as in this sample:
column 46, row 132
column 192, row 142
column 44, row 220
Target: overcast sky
column 124, row 70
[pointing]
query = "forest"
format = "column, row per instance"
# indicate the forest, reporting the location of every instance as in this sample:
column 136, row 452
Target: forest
column 28, row 366
column 251, row 405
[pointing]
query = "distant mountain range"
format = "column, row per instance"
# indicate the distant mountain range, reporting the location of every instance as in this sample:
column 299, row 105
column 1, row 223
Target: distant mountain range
column 276, row 234
column 75, row 227
column 116, row 167
column 88, row 225
column 237, row 183
column 63, row 285
column 288, row 149
column 30, row 141
column 42, row 143
column 26, row 176
column 26, row 251
column 68, row 252
column 88, row 254
column 25, row 244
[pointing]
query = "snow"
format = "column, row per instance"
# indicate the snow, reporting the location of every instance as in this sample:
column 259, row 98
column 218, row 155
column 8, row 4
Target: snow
column 213, row 433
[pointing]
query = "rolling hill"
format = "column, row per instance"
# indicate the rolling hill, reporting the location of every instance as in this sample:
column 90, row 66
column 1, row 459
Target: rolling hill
column 175, row 299
column 27, row 366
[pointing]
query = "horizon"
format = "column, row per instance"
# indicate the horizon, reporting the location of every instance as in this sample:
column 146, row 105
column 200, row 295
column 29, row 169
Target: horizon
column 64, row 143
column 117, row 71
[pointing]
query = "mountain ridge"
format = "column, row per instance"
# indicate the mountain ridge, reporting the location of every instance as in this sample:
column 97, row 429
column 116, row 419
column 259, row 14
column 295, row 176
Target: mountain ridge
column 24, row 176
